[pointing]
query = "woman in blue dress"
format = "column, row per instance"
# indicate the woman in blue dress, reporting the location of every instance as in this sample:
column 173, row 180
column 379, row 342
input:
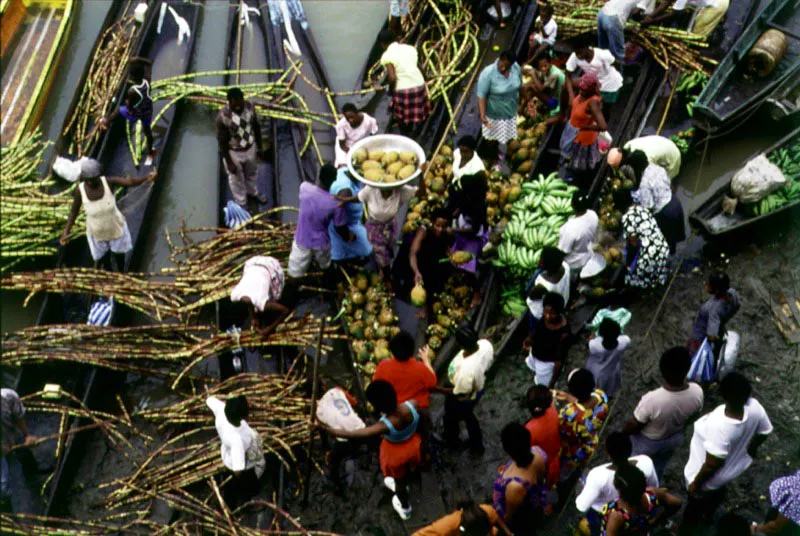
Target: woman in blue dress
column 359, row 247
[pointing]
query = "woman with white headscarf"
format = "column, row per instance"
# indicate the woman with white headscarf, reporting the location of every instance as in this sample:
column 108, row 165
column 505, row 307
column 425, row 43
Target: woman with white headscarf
column 106, row 228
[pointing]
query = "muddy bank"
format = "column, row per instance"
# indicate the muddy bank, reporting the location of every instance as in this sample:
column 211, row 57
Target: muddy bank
column 759, row 267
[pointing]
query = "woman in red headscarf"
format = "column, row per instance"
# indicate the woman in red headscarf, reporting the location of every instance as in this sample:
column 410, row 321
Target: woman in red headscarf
column 579, row 152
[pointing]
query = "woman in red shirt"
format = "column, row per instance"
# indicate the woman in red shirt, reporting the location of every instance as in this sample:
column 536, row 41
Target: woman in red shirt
column 544, row 429
column 579, row 151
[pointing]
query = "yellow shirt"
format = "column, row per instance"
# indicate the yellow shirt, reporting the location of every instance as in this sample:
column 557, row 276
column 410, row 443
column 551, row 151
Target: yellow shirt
column 404, row 59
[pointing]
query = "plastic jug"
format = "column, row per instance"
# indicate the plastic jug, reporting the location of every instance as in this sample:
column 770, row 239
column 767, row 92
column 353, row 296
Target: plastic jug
column 140, row 12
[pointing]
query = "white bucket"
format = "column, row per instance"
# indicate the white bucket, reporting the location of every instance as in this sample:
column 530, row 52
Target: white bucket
column 140, row 12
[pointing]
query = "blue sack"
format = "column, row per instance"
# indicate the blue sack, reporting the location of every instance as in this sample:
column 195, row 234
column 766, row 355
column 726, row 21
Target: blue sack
column 235, row 216
column 100, row 312
column 703, row 366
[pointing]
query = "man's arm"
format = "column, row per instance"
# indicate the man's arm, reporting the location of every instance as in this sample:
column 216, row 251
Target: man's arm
column 260, row 150
column 73, row 214
column 633, row 426
column 223, row 142
column 132, row 181
column 707, row 471
column 757, row 441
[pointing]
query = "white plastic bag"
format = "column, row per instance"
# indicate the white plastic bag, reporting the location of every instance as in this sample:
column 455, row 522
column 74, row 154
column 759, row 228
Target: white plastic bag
column 67, row 169
column 728, row 355
column 756, row 180
column 334, row 410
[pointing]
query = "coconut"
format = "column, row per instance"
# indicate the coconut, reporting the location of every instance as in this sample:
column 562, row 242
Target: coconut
column 420, row 207
column 374, row 175
column 514, row 193
column 376, row 155
column 382, row 352
column 359, row 155
column 390, row 158
column 406, row 171
column 418, row 295
column 520, row 132
column 413, row 216
column 525, row 167
column 439, row 160
column 357, row 330
column 389, row 178
column 386, row 318
column 516, row 178
column 507, row 208
column 513, row 146
column 526, row 143
column 492, row 198
column 409, row 227
column 369, row 333
column 361, row 282
column 461, row 257
column 443, row 321
column 446, row 150
column 448, row 170
column 503, row 197
column 408, row 157
column 356, row 298
column 370, row 164
column 394, row 167
column 491, row 213
column 437, row 185
column 521, row 155
column 435, row 343
column 462, row 293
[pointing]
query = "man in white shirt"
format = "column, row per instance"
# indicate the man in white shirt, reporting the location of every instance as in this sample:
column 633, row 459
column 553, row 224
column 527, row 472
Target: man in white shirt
column 723, row 446
column 611, row 20
column 576, row 236
column 241, row 448
column 599, row 489
column 467, row 374
column 661, row 416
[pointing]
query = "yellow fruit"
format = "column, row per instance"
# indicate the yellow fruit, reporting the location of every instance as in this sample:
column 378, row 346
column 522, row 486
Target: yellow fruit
column 409, row 227
column 374, row 175
column 439, row 161
column 521, row 155
column 418, row 296
column 437, row 185
column 407, row 157
column 446, row 150
column 461, row 257
column 491, row 198
column 513, row 146
column 525, row 167
column 514, row 193
column 359, row 155
column 376, row 154
column 406, row 171
column 516, row 178
column 370, row 164
column 394, row 167
column 413, row 216
column 390, row 158
column 389, row 178
column 491, row 212
column 361, row 282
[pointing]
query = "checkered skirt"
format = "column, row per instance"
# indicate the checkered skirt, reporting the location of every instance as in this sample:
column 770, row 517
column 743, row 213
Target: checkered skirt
column 411, row 105
column 502, row 130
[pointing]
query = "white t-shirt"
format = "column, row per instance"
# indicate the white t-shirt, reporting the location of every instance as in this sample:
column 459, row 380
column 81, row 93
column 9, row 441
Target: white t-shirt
column 381, row 208
column 404, row 58
column 599, row 489
column 575, row 239
column 621, row 8
column 550, row 31
column 536, row 307
column 601, row 66
column 468, row 168
column 665, row 412
column 241, row 445
column 350, row 135
column 468, row 375
column 717, row 434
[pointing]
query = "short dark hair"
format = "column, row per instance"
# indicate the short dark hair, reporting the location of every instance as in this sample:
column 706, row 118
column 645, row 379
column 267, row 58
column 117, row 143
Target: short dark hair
column 235, row 93
column 538, row 399
column 732, row 524
column 136, row 70
column 630, row 483
column 467, row 338
column 537, row 292
column 544, row 57
column 516, row 440
column 547, row 9
column 402, row 346
column 236, row 410
column 552, row 258
column 581, row 384
column 327, row 175
column 619, row 447
column 610, row 331
column 675, row 364
column 386, row 37
column 622, row 199
column 580, row 202
column 474, row 521
column 382, row 396
column 555, row 301
column 584, row 41
column 735, row 388
column 508, row 55
column 719, row 282
column 439, row 213
column 467, row 141
column 349, row 107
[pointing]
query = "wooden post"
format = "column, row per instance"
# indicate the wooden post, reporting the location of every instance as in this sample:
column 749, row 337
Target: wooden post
column 314, row 382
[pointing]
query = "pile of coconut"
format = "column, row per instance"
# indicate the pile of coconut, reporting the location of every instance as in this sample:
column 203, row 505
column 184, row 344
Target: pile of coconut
column 385, row 167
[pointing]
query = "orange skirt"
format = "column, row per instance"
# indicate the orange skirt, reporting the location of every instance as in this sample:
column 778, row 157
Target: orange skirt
column 397, row 458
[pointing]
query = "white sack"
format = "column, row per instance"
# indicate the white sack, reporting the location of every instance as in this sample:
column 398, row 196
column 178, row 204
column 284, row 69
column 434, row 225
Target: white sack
column 756, row 180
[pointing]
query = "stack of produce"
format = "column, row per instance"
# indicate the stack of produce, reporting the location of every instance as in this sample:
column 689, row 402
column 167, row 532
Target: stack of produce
column 670, row 47
column 449, row 308
column 33, row 220
column 370, row 320
column 503, row 191
column 438, row 176
column 609, row 215
column 384, row 167
column 788, row 160
column 690, row 86
column 536, row 218
column 683, row 140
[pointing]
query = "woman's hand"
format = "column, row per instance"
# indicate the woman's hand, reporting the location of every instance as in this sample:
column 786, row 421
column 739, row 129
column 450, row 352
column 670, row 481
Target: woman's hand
column 102, row 123
column 64, row 240
column 485, row 121
column 417, row 277
column 151, row 176
column 526, row 344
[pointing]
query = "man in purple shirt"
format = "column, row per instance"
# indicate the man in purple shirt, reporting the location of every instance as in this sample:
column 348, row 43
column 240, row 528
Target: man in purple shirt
column 317, row 209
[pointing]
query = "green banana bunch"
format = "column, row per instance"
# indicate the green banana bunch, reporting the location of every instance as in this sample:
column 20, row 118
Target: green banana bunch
column 688, row 81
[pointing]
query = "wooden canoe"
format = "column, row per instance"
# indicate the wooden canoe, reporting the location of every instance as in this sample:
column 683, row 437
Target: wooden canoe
column 730, row 96
column 33, row 37
column 784, row 103
column 114, row 155
column 709, row 218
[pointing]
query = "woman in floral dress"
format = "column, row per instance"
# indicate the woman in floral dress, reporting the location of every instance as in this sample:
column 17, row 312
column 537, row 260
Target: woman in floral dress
column 646, row 253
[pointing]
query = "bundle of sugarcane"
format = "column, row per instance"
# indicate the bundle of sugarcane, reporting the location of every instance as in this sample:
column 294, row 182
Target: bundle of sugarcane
column 33, row 219
column 159, row 299
column 212, row 265
column 448, row 48
column 130, row 349
column 670, row 47
column 106, row 73
column 136, row 349
column 35, row 525
column 278, row 412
